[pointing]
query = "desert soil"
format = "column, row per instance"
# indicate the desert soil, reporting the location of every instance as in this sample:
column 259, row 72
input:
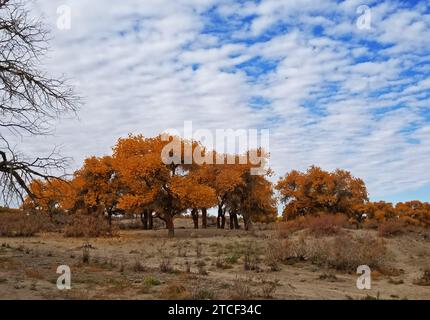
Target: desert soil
column 129, row 267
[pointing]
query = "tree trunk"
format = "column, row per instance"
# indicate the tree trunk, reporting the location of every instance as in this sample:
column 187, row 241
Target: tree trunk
column 150, row 221
column 236, row 221
column 170, row 226
column 144, row 218
column 195, row 216
column 110, row 218
column 218, row 219
column 204, row 218
column 223, row 219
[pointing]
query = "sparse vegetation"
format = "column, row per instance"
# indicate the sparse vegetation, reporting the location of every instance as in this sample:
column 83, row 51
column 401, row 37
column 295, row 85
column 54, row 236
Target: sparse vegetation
column 424, row 280
column 151, row 281
column 391, row 228
column 250, row 257
column 15, row 223
column 89, row 226
column 241, row 289
column 268, row 288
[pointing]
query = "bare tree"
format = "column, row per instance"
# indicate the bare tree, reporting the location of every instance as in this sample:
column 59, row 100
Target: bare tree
column 29, row 98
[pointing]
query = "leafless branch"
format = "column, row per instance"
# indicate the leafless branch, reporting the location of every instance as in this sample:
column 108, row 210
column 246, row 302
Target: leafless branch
column 29, row 99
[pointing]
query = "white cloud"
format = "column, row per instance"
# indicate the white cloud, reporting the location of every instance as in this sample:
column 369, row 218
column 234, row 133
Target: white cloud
column 145, row 66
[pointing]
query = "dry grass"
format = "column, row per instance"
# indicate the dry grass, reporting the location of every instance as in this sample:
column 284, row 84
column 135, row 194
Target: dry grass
column 16, row 223
column 175, row 291
column 318, row 225
column 326, row 224
column 391, row 228
column 241, row 290
column 138, row 266
column 89, row 226
column 166, row 265
column 307, row 266
column 342, row 252
column 268, row 288
column 250, row 257
column 346, row 253
column 424, row 280
column 274, row 254
column 33, row 274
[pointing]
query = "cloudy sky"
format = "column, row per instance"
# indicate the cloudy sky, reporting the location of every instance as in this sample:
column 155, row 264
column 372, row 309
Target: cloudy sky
column 331, row 93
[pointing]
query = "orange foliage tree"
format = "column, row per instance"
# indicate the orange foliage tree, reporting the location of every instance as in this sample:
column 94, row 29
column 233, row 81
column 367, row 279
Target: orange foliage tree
column 50, row 196
column 223, row 178
column 99, row 186
column 414, row 212
column 253, row 198
column 318, row 191
column 160, row 182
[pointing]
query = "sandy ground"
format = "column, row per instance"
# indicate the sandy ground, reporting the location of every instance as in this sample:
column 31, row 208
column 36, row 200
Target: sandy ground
column 130, row 267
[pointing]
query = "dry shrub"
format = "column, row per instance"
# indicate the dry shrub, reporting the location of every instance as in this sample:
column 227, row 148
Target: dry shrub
column 182, row 249
column 424, row 280
column 326, row 224
column 275, row 254
column 372, row 224
column 347, row 253
column 241, row 289
column 268, row 288
column 391, row 228
column 151, row 281
column 330, row 277
column 250, row 257
column 221, row 263
column 201, row 268
column 342, row 252
column 130, row 224
column 319, row 225
column 138, row 266
column 287, row 228
column 86, row 255
column 175, row 291
column 202, row 293
column 34, row 274
column 19, row 224
column 166, row 265
column 91, row 226
column 296, row 249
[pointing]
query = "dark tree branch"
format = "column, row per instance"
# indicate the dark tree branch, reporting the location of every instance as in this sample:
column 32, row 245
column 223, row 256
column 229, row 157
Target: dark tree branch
column 29, row 99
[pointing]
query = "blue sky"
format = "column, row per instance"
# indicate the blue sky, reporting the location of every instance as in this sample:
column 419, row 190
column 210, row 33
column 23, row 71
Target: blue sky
column 331, row 93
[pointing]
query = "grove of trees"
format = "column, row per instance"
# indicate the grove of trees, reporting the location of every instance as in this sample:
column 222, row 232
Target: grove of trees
column 135, row 180
column 319, row 192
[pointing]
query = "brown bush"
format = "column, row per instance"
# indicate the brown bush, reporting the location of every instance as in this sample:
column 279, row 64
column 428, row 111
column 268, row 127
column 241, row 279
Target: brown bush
column 287, row 228
column 391, row 228
column 319, row 225
column 91, row 226
column 16, row 223
column 241, row 290
column 274, row 254
column 347, row 253
column 268, row 288
column 370, row 224
column 342, row 252
column 296, row 249
column 175, row 291
column 326, row 224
